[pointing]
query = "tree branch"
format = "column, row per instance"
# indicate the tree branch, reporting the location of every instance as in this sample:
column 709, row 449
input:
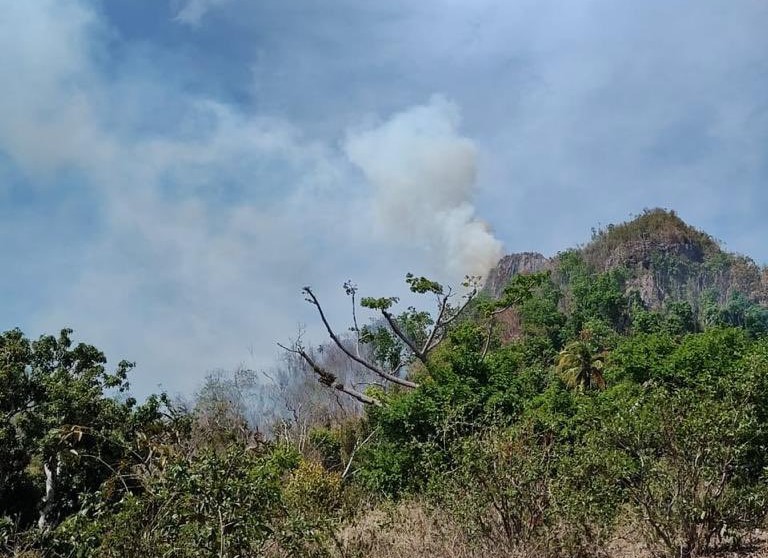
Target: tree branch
column 331, row 380
column 488, row 337
column 446, row 322
column 438, row 322
column 358, row 445
column 351, row 290
column 375, row 369
column 397, row 331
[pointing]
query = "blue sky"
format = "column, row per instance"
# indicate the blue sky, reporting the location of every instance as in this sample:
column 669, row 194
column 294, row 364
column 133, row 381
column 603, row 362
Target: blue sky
column 172, row 173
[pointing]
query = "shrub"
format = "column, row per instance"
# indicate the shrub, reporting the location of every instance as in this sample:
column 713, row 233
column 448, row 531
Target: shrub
column 688, row 481
column 500, row 490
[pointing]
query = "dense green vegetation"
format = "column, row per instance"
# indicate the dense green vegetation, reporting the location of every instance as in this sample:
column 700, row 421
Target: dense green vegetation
column 599, row 416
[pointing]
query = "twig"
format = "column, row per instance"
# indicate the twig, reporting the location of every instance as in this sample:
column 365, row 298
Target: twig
column 354, row 451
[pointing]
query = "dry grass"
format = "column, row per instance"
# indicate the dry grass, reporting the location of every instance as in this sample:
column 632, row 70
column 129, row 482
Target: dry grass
column 414, row 530
column 411, row 530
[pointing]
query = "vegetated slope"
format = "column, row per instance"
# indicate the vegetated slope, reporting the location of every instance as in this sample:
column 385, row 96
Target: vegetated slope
column 663, row 259
column 589, row 411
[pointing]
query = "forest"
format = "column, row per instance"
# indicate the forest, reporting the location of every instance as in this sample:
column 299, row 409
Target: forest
column 612, row 403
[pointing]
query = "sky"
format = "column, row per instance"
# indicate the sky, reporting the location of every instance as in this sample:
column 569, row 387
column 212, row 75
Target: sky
column 173, row 172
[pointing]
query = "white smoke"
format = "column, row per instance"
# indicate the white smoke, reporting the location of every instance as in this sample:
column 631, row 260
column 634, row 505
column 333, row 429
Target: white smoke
column 423, row 173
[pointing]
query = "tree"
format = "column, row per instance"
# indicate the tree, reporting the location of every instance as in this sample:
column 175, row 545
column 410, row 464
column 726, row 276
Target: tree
column 65, row 427
column 221, row 407
column 398, row 342
column 580, row 366
column 687, row 472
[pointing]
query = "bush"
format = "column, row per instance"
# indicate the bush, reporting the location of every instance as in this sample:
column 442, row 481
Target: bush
column 533, row 492
column 689, row 482
column 501, row 488
column 212, row 504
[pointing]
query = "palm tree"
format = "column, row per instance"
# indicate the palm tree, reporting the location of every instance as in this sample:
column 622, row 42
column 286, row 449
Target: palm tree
column 580, row 366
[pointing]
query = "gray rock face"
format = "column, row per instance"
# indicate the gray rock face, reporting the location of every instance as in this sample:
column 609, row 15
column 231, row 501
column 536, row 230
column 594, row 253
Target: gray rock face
column 511, row 265
column 641, row 253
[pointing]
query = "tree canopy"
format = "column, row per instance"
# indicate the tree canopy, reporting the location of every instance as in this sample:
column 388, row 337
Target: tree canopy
column 543, row 421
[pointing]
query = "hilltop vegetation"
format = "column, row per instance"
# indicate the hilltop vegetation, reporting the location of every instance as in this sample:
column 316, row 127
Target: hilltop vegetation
column 566, row 413
column 659, row 260
column 636, row 241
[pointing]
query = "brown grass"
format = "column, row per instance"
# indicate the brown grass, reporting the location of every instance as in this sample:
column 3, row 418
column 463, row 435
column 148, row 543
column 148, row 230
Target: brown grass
column 411, row 530
column 415, row 530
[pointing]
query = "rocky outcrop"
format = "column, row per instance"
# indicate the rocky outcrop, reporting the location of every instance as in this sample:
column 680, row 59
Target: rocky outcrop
column 664, row 257
column 514, row 264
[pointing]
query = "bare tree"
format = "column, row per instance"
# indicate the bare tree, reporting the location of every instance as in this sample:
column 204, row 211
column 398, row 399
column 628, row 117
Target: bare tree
column 293, row 403
column 223, row 408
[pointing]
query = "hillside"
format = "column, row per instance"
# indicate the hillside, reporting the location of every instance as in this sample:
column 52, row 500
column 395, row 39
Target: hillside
column 664, row 258
column 613, row 405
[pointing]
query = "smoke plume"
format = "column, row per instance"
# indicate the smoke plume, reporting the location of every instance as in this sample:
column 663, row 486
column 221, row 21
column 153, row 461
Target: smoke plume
column 423, row 174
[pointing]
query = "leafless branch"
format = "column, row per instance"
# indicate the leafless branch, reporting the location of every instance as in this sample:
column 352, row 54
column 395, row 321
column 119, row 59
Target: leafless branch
column 442, row 323
column 351, row 290
column 329, row 379
column 468, row 298
column 358, row 445
column 405, row 339
column 438, row 321
column 488, row 337
column 335, row 338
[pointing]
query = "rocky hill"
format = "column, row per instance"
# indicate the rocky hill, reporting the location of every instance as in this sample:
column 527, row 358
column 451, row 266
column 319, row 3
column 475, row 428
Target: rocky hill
column 515, row 264
column 665, row 260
